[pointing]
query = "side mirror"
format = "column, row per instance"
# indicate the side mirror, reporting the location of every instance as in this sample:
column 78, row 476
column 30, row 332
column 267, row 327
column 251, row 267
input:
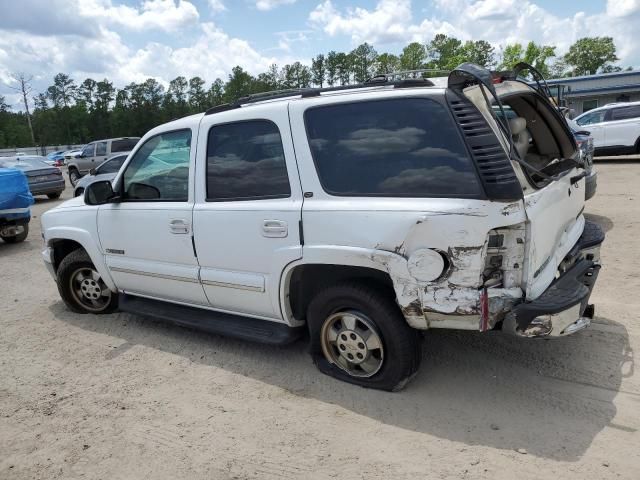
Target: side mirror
column 99, row 193
column 142, row 191
column 92, row 171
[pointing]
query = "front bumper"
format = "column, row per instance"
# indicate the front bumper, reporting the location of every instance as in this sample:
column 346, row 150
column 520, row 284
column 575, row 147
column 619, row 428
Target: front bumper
column 564, row 307
column 47, row 257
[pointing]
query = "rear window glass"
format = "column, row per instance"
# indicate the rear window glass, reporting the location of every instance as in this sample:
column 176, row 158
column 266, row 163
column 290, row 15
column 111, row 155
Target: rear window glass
column 123, row 145
column 402, row 148
column 624, row 113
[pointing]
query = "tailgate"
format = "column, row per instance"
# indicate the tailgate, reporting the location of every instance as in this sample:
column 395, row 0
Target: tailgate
column 555, row 223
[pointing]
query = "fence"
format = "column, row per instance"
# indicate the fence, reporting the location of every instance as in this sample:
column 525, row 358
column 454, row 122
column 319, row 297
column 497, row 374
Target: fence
column 40, row 150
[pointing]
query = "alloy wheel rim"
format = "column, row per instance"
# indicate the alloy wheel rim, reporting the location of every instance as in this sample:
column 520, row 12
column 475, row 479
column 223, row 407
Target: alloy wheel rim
column 351, row 342
column 89, row 290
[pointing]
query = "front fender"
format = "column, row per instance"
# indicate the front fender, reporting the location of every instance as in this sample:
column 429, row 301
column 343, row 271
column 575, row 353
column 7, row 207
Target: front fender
column 88, row 242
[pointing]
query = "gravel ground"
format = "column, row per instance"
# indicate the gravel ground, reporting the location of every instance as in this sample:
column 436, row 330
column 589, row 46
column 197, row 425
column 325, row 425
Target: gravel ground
column 123, row 397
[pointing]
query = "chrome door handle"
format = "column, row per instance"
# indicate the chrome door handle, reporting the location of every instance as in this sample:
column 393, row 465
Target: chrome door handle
column 178, row 226
column 274, row 229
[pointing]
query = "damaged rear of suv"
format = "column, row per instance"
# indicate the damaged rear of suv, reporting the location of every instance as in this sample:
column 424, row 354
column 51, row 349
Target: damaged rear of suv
column 362, row 214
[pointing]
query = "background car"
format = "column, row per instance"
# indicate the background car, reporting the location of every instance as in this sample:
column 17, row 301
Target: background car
column 94, row 153
column 15, row 200
column 56, row 156
column 43, row 179
column 585, row 144
column 105, row 171
column 70, row 155
column 615, row 128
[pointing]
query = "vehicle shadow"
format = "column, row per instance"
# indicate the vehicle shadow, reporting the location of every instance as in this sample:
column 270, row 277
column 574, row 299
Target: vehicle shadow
column 605, row 222
column 549, row 397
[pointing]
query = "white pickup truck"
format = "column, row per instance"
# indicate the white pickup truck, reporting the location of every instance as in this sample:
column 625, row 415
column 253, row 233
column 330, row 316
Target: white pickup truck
column 365, row 215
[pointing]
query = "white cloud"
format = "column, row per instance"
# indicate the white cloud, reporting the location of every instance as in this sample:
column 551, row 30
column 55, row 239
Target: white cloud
column 265, row 5
column 167, row 15
column 217, row 6
column 213, row 54
column 497, row 21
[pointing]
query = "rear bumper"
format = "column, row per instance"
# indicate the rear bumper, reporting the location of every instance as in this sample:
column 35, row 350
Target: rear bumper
column 564, row 307
column 42, row 188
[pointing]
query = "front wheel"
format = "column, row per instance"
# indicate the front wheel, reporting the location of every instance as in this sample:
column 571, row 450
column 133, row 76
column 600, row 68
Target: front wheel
column 74, row 176
column 359, row 335
column 81, row 286
column 18, row 237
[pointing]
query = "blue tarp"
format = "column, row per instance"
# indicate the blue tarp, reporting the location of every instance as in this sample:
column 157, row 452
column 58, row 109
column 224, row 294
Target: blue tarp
column 15, row 197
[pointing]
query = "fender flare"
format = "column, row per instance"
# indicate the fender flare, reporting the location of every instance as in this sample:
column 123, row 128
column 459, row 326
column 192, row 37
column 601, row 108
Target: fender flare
column 87, row 242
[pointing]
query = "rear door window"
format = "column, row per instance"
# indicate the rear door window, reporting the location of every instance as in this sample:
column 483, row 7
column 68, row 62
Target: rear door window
column 101, row 148
column 625, row 113
column 405, row 147
column 123, row 145
column 245, row 161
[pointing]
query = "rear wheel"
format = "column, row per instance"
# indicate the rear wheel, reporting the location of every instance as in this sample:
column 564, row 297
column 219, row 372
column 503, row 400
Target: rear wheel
column 359, row 335
column 54, row 195
column 19, row 237
column 74, row 176
column 81, row 286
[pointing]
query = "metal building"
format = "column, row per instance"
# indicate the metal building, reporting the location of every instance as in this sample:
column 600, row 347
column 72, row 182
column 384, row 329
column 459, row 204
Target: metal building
column 590, row 91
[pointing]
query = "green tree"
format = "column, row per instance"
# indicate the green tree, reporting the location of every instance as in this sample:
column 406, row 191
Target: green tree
column 332, row 68
column 198, row 101
column 590, row 54
column 535, row 55
column 413, row 57
column 479, row 52
column 240, row 84
column 445, row 53
column 387, row 63
column 215, row 94
column 343, row 68
column 363, row 62
column 318, row 70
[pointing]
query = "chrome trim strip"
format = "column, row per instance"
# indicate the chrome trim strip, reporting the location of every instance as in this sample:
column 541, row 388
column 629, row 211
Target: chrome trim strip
column 239, row 286
column 154, row 275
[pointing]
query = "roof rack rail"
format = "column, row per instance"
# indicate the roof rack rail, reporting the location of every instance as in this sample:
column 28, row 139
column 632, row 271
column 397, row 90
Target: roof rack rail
column 388, row 76
column 377, row 81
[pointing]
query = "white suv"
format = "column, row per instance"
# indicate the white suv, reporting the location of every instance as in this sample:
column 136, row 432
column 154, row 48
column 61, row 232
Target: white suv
column 615, row 128
column 364, row 215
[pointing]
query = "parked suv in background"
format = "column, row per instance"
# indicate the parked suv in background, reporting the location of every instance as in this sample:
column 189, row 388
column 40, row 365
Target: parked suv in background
column 364, row 214
column 105, row 171
column 615, row 128
column 94, row 153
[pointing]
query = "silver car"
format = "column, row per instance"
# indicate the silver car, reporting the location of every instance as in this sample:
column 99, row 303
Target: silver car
column 105, row 171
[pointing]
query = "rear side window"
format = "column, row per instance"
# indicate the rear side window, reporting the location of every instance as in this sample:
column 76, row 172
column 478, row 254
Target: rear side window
column 400, row 148
column 123, row 145
column 624, row 113
column 101, row 148
column 245, row 161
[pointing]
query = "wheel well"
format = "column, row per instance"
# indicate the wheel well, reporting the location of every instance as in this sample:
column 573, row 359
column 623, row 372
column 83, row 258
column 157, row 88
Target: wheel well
column 79, row 191
column 307, row 280
column 62, row 248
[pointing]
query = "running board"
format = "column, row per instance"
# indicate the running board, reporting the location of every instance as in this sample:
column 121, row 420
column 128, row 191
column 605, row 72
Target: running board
column 226, row 324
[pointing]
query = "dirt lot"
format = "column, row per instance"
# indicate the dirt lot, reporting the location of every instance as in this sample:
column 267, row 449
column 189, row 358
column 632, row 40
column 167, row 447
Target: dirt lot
column 123, row 397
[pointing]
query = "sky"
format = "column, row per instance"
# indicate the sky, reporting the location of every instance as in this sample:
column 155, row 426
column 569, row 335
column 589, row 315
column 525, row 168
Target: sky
column 131, row 40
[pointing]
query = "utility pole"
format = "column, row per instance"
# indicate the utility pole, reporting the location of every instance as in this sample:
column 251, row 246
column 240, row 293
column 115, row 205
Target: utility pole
column 24, row 87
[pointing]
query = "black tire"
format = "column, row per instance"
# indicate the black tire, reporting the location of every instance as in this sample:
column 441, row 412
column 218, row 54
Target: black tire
column 74, row 176
column 21, row 237
column 54, row 195
column 402, row 345
column 68, row 268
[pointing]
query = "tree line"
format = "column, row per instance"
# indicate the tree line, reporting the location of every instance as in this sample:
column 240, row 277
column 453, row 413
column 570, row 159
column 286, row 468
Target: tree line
column 68, row 112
